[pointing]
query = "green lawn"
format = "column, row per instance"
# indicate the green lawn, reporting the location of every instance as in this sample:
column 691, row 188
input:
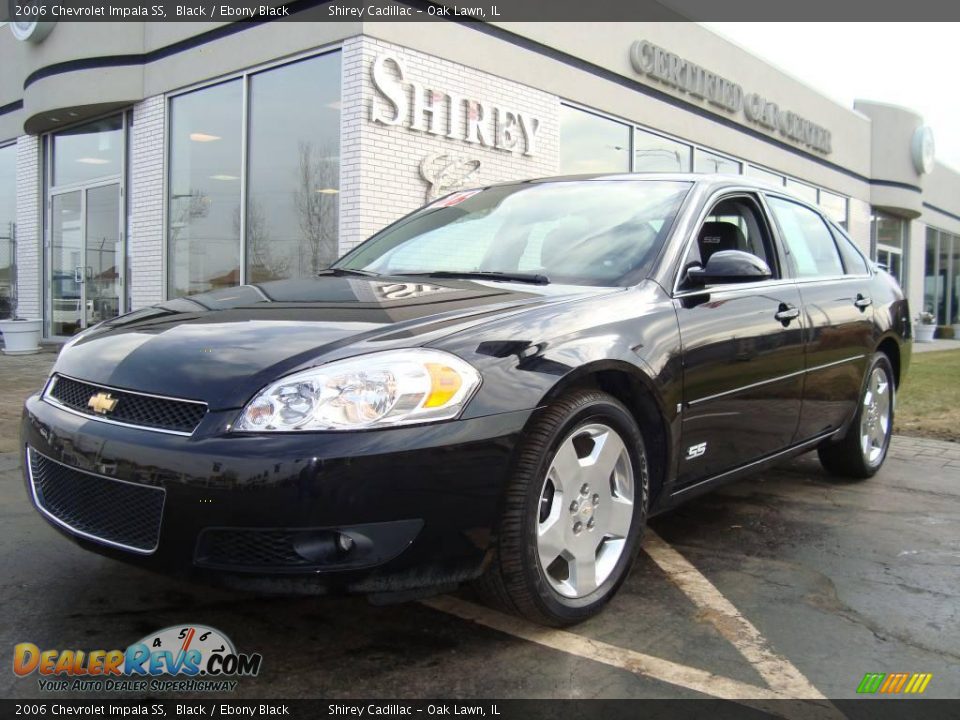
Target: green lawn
column 929, row 401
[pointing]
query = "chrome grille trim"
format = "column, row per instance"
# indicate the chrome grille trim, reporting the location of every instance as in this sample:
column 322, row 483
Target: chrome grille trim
column 38, row 503
column 49, row 398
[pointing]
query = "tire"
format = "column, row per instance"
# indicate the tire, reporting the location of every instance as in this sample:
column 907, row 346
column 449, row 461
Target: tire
column 861, row 452
column 545, row 506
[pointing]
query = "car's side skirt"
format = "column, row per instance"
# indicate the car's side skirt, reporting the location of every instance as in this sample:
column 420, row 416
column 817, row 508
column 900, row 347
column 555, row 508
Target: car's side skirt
column 690, row 491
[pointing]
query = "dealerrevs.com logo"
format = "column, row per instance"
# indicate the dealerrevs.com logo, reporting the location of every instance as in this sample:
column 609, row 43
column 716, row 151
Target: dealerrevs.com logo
column 180, row 658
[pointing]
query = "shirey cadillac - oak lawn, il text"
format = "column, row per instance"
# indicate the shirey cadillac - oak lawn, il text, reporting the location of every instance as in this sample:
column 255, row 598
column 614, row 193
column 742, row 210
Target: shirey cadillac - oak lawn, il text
column 500, row 388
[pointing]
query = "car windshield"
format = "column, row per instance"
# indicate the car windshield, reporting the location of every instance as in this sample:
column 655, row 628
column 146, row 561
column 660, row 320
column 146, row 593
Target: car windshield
column 588, row 232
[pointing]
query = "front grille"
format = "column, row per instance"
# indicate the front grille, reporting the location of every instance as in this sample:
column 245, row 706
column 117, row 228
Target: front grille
column 146, row 411
column 250, row 548
column 113, row 511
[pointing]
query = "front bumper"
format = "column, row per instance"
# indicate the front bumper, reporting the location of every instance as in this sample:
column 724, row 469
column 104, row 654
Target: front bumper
column 418, row 505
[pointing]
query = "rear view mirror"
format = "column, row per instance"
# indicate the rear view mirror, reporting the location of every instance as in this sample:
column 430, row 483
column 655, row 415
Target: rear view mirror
column 730, row 266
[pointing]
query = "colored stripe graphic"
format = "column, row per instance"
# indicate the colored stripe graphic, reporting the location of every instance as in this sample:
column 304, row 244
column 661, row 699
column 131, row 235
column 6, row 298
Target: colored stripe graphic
column 894, row 683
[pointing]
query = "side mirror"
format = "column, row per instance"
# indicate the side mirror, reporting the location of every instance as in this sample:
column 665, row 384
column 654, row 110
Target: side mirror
column 730, row 266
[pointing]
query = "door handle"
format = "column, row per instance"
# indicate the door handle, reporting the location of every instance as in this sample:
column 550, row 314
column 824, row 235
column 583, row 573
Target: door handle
column 863, row 301
column 786, row 313
column 78, row 274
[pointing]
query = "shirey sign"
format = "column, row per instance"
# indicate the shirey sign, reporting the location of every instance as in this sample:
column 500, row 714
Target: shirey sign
column 413, row 105
column 702, row 84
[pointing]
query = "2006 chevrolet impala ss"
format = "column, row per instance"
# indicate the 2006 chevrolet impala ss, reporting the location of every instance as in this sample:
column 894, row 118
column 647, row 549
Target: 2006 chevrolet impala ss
column 500, row 387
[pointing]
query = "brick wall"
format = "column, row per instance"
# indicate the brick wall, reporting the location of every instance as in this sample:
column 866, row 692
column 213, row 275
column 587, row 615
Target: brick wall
column 29, row 245
column 380, row 164
column 145, row 241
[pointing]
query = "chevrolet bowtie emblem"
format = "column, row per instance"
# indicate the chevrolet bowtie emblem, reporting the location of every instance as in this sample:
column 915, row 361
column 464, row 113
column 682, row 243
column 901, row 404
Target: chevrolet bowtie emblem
column 102, row 403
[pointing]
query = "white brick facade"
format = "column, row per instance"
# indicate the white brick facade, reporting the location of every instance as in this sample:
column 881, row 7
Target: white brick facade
column 29, row 246
column 380, row 164
column 145, row 241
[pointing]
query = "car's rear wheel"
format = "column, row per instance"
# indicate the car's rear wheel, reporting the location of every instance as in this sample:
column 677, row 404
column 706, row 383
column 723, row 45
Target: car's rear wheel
column 574, row 512
column 861, row 452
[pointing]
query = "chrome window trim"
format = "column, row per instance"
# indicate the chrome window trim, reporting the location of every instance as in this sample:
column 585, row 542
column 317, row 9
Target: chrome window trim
column 48, row 398
column 692, row 403
column 76, row 531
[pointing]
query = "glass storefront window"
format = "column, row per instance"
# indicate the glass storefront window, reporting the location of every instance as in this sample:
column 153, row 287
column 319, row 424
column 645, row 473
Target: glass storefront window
column 802, row 191
column 888, row 233
column 941, row 290
column 203, row 225
column 932, row 287
column 293, row 169
column 592, row 144
column 280, row 209
column 88, row 152
column 654, row 153
column 707, row 162
column 8, row 227
column 770, row 177
column 835, row 207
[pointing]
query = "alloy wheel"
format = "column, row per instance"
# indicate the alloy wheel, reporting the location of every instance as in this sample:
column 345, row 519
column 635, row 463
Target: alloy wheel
column 585, row 510
column 875, row 416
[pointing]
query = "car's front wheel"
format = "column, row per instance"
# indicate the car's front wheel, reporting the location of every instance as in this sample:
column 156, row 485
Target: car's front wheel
column 574, row 511
column 863, row 449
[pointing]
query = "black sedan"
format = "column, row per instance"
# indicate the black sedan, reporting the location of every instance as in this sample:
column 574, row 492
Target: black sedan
column 500, row 387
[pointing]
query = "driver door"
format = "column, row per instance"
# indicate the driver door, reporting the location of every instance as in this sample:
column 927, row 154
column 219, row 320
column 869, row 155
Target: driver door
column 742, row 346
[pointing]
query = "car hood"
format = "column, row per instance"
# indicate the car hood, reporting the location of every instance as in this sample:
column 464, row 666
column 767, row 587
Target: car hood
column 221, row 347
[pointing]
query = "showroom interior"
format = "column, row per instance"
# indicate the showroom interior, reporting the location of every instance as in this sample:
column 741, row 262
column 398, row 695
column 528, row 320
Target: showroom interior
column 141, row 166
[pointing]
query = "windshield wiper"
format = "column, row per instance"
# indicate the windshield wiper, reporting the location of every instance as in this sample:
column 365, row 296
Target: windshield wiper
column 340, row 272
column 483, row 275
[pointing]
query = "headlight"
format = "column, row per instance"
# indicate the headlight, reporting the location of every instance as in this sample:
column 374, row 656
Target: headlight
column 397, row 387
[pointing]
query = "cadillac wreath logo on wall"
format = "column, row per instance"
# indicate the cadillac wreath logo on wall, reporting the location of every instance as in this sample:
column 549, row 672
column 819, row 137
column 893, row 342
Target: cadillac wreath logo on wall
column 446, row 172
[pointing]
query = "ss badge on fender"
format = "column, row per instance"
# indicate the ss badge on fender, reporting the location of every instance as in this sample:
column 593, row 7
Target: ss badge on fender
column 695, row 451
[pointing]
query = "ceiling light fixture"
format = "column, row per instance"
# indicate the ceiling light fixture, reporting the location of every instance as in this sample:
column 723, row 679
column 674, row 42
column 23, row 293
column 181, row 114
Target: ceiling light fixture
column 224, row 177
column 92, row 161
column 328, row 191
column 203, row 137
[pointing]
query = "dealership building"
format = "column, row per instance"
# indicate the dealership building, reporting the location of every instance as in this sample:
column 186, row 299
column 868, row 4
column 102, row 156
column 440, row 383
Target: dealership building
column 146, row 161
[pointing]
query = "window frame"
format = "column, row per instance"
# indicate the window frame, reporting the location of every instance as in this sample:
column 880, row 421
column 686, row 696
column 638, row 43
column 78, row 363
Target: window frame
column 785, row 248
column 244, row 75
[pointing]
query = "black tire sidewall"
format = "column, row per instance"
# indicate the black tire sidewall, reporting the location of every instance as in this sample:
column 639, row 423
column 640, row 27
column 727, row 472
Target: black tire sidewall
column 611, row 413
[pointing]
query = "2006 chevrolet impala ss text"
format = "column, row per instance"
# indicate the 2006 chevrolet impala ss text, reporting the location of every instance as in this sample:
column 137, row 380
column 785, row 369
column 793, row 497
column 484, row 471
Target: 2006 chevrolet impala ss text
column 499, row 388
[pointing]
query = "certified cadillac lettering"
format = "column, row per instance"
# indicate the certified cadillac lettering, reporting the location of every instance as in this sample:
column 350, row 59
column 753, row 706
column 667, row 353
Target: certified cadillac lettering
column 498, row 389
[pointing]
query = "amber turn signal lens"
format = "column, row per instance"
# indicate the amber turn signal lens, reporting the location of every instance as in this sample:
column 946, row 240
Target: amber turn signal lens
column 444, row 384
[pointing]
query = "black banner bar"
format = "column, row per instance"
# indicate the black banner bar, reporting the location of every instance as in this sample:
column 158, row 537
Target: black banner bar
column 475, row 11
column 867, row 709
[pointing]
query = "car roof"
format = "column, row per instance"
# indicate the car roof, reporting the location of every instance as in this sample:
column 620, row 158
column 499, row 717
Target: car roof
column 702, row 179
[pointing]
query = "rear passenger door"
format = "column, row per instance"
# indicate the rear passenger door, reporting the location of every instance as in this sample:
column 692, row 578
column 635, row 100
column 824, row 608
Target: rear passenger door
column 838, row 315
column 742, row 347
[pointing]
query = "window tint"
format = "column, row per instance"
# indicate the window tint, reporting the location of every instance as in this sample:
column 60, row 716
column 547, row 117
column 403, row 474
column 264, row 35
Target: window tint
column 808, row 239
column 853, row 262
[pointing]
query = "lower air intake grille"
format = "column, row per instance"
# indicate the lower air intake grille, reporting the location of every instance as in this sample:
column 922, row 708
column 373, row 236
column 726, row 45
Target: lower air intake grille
column 112, row 511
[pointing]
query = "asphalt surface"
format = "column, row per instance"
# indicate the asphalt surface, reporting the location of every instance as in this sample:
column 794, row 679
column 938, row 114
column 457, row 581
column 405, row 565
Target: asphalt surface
column 839, row 578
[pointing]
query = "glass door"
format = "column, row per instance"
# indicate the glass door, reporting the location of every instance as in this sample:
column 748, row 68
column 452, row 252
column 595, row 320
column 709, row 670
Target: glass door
column 85, row 258
column 104, row 259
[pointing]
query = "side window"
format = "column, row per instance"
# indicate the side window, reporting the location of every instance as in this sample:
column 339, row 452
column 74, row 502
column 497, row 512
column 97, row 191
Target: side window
column 853, row 261
column 733, row 224
column 808, row 239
